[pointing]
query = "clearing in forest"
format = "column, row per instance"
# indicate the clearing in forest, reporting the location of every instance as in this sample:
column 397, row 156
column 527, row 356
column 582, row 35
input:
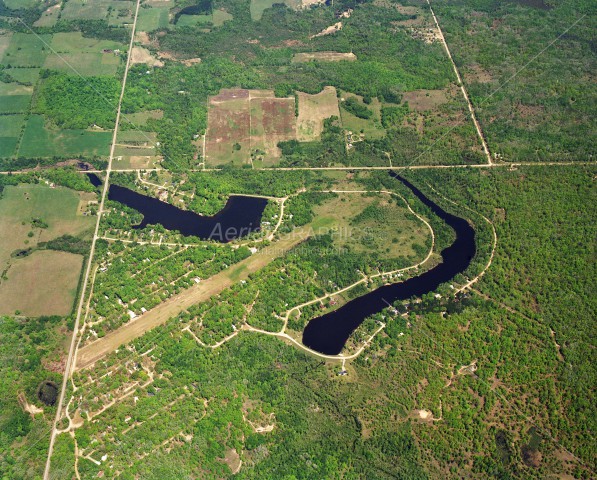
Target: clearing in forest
column 50, row 279
column 245, row 126
column 313, row 110
column 47, row 276
column 201, row 292
column 323, row 57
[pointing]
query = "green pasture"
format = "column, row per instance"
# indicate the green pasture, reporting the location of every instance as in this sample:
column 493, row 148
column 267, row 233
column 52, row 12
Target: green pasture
column 27, row 50
column 39, row 141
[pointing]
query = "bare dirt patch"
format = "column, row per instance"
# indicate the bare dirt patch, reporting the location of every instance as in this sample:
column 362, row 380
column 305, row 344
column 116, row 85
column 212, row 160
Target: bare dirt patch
column 313, row 110
column 27, row 407
column 232, row 459
column 476, row 73
column 142, row 38
column 329, row 30
column 142, row 55
column 323, row 57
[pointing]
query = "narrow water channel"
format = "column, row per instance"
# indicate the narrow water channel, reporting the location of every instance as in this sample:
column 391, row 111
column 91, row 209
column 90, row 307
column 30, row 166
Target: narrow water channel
column 328, row 334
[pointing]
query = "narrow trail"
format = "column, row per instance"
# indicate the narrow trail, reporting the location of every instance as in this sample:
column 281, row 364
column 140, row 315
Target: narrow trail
column 463, row 89
column 73, row 342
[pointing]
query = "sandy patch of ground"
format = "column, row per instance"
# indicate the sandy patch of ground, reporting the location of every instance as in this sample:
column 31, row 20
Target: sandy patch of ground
column 323, row 57
column 27, row 407
column 329, row 30
column 476, row 73
column 142, row 38
column 309, row 3
column 232, row 459
column 142, row 55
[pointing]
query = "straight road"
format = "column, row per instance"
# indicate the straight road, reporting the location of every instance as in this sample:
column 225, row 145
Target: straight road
column 73, row 343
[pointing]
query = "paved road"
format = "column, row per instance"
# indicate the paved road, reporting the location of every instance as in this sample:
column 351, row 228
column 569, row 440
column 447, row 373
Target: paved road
column 69, row 361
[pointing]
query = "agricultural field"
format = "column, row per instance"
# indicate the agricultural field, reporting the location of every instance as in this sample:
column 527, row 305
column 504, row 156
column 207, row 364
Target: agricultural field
column 14, row 98
column 30, row 215
column 85, row 56
column 27, row 50
column 323, row 57
column 41, row 141
column 362, row 120
column 245, row 127
column 383, row 322
column 116, row 12
column 153, row 18
column 313, row 110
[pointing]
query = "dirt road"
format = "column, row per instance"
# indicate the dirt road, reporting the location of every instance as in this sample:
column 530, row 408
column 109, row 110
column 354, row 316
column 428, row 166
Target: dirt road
column 201, row 292
column 69, row 361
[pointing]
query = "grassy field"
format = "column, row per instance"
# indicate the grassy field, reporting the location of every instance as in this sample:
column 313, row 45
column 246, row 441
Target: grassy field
column 228, row 128
column 313, row 110
column 49, row 17
column 57, row 207
column 121, row 11
column 10, row 128
column 152, row 19
column 272, row 121
column 38, row 141
column 370, row 128
column 14, row 103
column 85, row 55
column 27, row 50
column 366, row 223
column 26, row 75
column 259, row 6
column 51, row 280
column 323, row 57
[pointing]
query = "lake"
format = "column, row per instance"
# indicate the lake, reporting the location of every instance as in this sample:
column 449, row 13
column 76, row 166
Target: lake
column 240, row 216
column 329, row 333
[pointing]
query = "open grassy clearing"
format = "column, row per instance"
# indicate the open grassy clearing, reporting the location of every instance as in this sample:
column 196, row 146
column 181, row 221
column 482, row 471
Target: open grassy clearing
column 371, row 223
column 10, row 129
column 14, row 4
column 323, row 57
column 27, row 50
column 87, row 56
column 313, row 110
column 50, row 279
column 259, row 6
column 5, row 37
column 228, row 129
column 245, row 126
column 58, row 208
column 272, row 121
column 39, row 141
column 153, row 18
column 367, row 128
column 25, row 75
column 49, row 17
column 14, row 103
column 116, row 12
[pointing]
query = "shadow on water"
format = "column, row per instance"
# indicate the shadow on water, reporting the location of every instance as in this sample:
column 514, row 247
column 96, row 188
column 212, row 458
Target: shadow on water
column 240, row 217
column 328, row 334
